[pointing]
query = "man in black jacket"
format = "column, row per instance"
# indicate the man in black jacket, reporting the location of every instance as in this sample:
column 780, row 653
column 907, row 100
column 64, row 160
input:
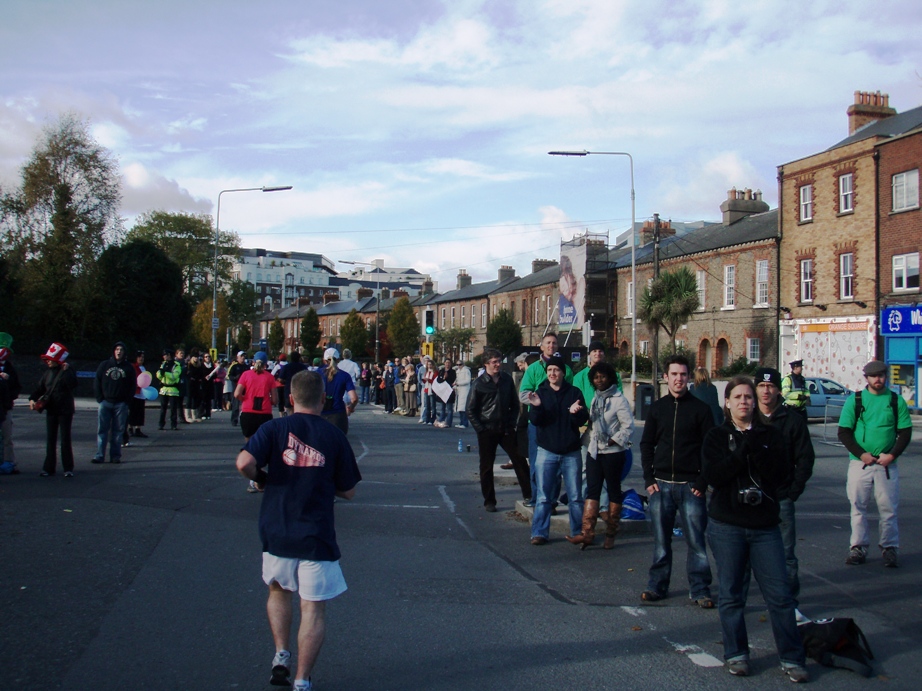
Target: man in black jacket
column 492, row 408
column 234, row 372
column 114, row 387
column 670, row 451
column 793, row 428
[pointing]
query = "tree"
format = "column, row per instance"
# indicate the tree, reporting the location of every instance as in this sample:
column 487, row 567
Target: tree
column 54, row 227
column 454, row 342
column 310, row 334
column 241, row 300
column 276, row 336
column 668, row 302
column 244, row 338
column 403, row 329
column 188, row 239
column 200, row 333
column 140, row 275
column 353, row 334
column 504, row 333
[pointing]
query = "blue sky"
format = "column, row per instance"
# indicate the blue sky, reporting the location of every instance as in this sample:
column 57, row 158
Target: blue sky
column 418, row 132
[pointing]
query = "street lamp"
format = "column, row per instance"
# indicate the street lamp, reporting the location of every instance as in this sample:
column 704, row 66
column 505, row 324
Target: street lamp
column 377, row 304
column 633, row 251
column 217, row 232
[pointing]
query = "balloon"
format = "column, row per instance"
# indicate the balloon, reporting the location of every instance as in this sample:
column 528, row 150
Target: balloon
column 144, row 379
column 149, row 393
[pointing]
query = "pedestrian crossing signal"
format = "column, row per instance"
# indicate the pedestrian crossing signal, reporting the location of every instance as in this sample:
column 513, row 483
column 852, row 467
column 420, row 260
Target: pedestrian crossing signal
column 430, row 322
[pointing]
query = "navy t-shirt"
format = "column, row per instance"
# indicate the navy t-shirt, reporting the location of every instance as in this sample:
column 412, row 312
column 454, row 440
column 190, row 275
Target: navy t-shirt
column 286, row 374
column 308, row 461
column 335, row 391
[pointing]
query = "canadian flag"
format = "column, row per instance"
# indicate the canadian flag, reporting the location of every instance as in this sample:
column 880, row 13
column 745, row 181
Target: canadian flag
column 56, row 352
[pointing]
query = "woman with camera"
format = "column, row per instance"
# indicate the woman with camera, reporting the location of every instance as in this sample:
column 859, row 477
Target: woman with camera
column 744, row 462
column 55, row 396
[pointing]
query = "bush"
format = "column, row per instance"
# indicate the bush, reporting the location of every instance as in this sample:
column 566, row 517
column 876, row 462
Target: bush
column 739, row 366
column 623, row 364
column 684, row 352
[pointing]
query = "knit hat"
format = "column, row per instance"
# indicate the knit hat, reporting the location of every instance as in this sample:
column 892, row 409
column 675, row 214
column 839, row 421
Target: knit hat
column 521, row 358
column 596, row 345
column 556, row 360
column 875, row 367
column 767, row 375
column 56, row 352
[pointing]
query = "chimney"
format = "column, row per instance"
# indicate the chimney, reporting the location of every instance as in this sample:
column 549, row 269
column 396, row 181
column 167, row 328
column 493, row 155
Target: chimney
column 868, row 107
column 330, row 297
column 505, row 273
column 740, row 204
column 399, row 293
column 363, row 293
column 646, row 233
column 385, row 293
column 427, row 287
column 541, row 264
column 463, row 279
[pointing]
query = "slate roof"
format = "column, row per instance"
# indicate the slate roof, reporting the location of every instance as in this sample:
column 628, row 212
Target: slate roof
column 888, row 127
column 550, row 274
column 473, row 291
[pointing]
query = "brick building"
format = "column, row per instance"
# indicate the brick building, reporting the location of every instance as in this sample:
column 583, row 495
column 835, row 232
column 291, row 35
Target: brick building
column 832, row 278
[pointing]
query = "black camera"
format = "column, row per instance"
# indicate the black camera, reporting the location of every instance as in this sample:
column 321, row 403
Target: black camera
column 751, row 496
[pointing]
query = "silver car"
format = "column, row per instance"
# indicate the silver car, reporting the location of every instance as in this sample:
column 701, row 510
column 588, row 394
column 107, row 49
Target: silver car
column 826, row 397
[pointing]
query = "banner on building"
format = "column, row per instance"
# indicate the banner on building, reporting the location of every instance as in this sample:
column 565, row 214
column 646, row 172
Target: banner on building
column 571, row 305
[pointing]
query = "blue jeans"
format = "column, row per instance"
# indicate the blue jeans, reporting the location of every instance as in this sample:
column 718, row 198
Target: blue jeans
column 446, row 411
column 789, row 539
column 462, row 418
column 549, row 466
column 111, row 421
column 734, row 549
column 363, row 394
column 678, row 497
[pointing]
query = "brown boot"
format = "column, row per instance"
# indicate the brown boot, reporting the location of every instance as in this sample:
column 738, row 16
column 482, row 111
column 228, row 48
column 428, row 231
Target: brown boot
column 612, row 525
column 590, row 516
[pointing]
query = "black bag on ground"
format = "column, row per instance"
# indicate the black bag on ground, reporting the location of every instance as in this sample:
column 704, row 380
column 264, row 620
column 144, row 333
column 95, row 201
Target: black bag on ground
column 837, row 643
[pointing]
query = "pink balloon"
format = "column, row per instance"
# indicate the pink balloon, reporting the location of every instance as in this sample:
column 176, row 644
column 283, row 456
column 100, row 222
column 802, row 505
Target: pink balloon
column 144, row 379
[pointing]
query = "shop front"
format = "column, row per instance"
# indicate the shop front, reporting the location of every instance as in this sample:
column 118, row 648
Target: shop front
column 901, row 330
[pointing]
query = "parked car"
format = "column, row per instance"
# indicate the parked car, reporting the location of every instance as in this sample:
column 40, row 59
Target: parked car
column 826, row 397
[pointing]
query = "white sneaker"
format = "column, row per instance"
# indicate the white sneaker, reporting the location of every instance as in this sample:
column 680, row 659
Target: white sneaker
column 800, row 617
column 301, row 685
column 281, row 669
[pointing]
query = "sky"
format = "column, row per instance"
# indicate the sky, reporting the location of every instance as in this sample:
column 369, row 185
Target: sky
column 417, row 131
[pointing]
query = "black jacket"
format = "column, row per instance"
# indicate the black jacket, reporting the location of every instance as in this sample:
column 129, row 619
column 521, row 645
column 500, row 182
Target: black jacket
column 493, row 405
column 670, row 448
column 793, row 428
column 9, row 388
column 60, row 393
column 115, row 381
column 448, row 377
column 757, row 457
column 558, row 429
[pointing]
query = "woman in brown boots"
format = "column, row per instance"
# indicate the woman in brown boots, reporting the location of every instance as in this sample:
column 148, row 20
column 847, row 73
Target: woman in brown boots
column 612, row 427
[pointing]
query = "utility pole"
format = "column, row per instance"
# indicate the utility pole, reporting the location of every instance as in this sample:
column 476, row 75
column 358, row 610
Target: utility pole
column 656, row 229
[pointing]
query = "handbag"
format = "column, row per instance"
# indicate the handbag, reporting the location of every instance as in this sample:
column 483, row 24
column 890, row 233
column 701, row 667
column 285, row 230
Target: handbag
column 41, row 402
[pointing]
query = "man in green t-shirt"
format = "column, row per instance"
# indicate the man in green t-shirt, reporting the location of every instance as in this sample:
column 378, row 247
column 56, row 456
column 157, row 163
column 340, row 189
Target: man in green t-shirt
column 875, row 432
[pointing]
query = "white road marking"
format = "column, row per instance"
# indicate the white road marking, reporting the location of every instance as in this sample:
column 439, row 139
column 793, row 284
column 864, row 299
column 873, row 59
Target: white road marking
column 634, row 611
column 695, row 654
column 364, row 452
column 451, row 507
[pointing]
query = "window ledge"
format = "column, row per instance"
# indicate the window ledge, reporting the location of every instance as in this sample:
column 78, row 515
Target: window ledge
column 902, row 211
column 760, row 307
column 804, row 221
column 808, row 303
column 850, row 212
column 905, row 291
column 727, row 308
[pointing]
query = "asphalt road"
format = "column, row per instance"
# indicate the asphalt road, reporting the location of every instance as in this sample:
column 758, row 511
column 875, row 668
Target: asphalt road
column 146, row 575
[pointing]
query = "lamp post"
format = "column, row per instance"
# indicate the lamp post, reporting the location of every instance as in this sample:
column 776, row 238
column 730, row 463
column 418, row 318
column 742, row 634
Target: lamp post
column 217, row 233
column 377, row 305
column 633, row 251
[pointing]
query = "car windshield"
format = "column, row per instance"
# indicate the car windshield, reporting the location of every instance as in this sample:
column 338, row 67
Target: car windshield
column 833, row 389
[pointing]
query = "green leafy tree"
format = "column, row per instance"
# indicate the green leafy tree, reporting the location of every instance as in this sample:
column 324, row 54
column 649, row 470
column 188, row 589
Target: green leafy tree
column 55, row 225
column 276, row 337
column 200, row 333
column 453, row 342
column 188, row 239
column 402, row 329
column 310, row 334
column 353, row 334
column 244, row 338
column 504, row 333
column 668, row 302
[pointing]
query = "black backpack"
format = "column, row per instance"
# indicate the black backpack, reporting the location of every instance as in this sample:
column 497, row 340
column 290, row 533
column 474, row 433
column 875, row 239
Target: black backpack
column 837, row 643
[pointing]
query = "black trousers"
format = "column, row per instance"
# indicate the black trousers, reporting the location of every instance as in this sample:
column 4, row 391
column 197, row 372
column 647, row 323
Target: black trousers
column 53, row 423
column 607, row 467
column 173, row 403
column 487, row 441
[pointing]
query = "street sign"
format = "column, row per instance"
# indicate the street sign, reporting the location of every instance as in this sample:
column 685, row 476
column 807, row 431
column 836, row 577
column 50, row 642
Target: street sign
column 215, row 324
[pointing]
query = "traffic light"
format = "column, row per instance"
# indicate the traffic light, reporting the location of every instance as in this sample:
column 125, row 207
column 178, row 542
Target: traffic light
column 430, row 322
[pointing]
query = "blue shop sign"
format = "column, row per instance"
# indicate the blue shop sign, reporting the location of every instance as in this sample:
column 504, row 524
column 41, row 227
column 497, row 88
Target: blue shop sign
column 900, row 321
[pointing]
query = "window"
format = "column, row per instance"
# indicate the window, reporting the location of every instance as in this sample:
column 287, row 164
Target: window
column 762, row 283
column 537, row 313
column 645, row 347
column 846, row 276
column 701, row 282
column 483, row 315
column 730, row 286
column 524, row 312
column 462, row 316
column 249, row 275
column 452, row 317
column 753, row 349
column 473, row 316
column 806, row 280
column 511, row 309
column 549, row 306
column 443, row 318
column 806, row 203
column 630, row 298
column 846, row 194
column 906, row 271
column 906, row 190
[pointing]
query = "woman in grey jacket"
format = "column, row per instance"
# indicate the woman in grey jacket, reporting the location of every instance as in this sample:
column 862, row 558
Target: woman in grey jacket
column 612, row 427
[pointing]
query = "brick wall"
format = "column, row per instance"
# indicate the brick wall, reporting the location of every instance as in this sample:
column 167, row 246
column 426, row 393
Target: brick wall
column 901, row 232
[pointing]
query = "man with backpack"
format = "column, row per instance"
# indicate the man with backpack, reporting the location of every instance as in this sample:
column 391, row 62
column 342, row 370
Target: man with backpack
column 876, row 428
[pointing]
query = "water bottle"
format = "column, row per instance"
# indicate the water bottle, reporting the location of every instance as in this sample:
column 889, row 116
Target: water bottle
column 460, row 446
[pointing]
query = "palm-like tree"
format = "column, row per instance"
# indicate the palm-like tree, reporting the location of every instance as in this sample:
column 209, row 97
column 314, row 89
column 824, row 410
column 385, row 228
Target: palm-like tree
column 668, row 302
